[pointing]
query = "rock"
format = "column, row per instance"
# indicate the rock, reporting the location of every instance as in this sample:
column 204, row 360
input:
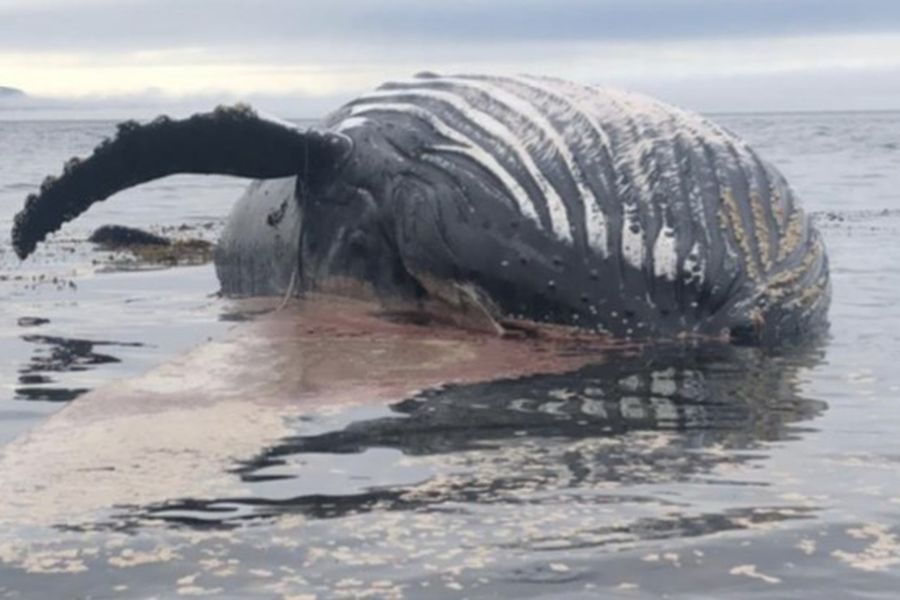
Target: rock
column 32, row 321
column 119, row 236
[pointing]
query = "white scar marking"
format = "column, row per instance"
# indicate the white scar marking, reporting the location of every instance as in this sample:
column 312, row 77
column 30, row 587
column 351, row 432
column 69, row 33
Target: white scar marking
column 596, row 222
column 665, row 256
column 633, row 241
column 465, row 147
column 595, row 219
column 351, row 123
column 558, row 217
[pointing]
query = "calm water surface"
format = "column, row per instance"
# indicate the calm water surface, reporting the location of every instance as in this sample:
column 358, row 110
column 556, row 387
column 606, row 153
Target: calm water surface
column 685, row 474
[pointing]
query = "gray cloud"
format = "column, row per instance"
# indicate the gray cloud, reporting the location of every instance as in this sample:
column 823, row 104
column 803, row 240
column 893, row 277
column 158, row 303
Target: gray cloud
column 814, row 89
column 301, row 57
column 140, row 24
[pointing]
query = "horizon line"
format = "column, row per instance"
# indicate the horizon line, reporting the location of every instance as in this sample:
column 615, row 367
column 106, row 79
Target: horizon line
column 714, row 113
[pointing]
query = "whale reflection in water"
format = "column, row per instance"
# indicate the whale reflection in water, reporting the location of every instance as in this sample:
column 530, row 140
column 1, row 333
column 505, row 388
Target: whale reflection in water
column 666, row 414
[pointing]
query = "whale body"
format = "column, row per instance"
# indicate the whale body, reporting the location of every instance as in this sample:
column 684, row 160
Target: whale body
column 524, row 201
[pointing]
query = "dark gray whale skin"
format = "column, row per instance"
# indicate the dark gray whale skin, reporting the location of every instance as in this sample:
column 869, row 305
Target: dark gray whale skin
column 528, row 200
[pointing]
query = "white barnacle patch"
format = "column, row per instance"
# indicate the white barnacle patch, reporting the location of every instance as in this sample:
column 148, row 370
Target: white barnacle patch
column 574, row 96
column 665, row 256
column 694, row 264
column 646, row 153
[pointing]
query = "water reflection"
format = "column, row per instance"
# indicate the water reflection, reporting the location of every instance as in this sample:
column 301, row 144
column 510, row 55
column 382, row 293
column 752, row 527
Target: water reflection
column 59, row 355
column 665, row 415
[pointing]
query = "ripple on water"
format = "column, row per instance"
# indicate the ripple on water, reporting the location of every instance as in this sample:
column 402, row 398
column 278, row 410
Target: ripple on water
column 661, row 474
column 666, row 416
column 54, row 354
column 496, row 488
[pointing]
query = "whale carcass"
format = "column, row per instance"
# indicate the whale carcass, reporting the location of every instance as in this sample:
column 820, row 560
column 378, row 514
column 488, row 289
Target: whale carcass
column 518, row 202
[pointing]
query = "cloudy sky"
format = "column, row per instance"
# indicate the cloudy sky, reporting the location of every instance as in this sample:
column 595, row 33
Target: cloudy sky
column 303, row 56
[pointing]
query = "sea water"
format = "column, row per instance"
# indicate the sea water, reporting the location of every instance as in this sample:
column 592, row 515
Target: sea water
column 714, row 473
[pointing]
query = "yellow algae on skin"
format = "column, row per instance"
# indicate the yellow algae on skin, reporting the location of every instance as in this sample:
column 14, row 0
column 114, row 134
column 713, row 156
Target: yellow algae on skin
column 730, row 221
column 786, row 283
column 782, row 283
column 792, row 235
column 777, row 203
column 761, row 229
column 811, row 294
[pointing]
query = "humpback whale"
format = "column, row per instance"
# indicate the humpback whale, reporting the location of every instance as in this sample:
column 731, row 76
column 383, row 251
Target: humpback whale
column 523, row 203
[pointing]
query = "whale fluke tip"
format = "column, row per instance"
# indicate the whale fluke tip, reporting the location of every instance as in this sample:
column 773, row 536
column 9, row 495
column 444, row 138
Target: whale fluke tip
column 230, row 140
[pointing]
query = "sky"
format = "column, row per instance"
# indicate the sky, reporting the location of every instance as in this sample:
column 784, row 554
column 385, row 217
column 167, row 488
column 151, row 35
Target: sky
column 301, row 58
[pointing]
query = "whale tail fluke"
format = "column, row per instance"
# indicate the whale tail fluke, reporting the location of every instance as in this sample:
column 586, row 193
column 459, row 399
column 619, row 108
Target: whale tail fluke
column 227, row 141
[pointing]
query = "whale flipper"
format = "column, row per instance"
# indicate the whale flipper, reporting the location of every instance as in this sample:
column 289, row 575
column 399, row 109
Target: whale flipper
column 227, row 141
